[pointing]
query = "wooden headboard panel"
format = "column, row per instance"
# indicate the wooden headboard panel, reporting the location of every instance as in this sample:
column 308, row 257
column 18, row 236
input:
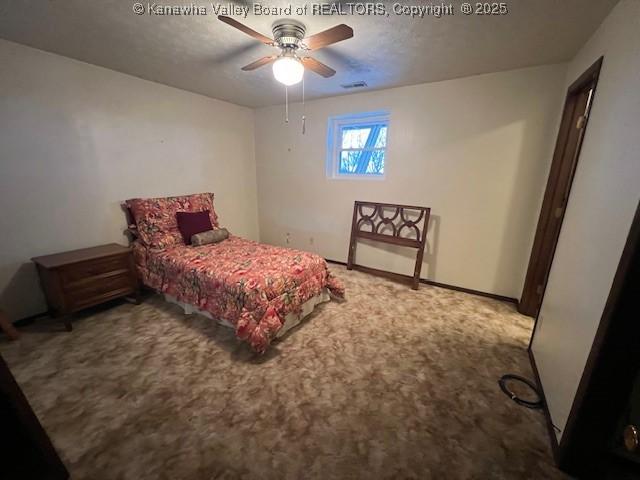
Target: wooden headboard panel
column 131, row 232
column 404, row 225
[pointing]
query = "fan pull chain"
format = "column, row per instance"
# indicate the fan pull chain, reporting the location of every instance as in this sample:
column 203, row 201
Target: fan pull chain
column 304, row 118
column 286, row 104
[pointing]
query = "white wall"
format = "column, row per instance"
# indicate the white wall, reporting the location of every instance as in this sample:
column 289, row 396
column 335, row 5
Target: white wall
column 476, row 150
column 603, row 200
column 76, row 140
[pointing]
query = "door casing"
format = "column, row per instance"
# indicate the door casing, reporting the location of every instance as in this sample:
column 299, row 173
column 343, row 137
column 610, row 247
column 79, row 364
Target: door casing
column 575, row 117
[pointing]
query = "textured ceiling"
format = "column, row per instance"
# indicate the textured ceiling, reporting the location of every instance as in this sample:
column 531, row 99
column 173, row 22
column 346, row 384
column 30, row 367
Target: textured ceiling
column 204, row 55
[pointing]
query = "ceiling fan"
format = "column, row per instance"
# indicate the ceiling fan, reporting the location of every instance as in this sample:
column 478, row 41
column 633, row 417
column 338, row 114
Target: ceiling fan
column 289, row 37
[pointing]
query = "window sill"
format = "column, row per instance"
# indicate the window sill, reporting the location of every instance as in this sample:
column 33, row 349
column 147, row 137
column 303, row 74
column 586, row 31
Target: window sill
column 375, row 178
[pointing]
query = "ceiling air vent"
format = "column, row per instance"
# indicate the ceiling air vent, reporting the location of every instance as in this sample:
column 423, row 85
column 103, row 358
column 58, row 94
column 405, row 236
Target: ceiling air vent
column 359, row 84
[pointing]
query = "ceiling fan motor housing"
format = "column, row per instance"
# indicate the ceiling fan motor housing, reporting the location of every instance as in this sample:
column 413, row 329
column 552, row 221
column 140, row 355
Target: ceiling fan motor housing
column 288, row 36
column 288, row 33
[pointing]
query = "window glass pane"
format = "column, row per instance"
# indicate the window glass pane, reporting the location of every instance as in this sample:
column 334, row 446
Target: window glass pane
column 376, row 163
column 381, row 141
column 354, row 137
column 359, row 137
column 368, row 162
column 348, row 161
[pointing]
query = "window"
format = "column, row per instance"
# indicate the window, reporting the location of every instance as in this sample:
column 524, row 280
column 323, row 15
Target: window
column 357, row 145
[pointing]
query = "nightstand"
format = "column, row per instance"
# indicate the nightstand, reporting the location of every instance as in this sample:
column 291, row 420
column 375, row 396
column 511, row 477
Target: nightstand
column 83, row 278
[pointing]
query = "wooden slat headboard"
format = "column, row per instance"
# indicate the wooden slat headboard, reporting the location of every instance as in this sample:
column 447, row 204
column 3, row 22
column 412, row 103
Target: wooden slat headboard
column 390, row 223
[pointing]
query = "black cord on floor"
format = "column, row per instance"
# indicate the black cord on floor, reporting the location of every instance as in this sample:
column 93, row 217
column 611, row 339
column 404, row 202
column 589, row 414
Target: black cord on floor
column 525, row 403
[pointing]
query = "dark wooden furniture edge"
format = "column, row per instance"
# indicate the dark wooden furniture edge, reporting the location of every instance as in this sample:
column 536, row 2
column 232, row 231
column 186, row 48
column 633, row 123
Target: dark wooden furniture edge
column 10, row 389
column 408, row 278
column 131, row 232
column 376, row 220
column 392, row 205
column 45, row 260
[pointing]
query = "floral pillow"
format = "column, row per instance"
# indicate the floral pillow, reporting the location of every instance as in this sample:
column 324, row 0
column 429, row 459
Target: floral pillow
column 156, row 217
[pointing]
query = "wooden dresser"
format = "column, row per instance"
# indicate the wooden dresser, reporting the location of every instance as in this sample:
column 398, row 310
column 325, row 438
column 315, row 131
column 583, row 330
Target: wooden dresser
column 82, row 278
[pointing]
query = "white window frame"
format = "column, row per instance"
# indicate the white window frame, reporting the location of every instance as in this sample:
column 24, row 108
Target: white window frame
column 334, row 142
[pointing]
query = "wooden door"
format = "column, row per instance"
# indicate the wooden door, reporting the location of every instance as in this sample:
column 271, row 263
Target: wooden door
column 600, row 439
column 565, row 159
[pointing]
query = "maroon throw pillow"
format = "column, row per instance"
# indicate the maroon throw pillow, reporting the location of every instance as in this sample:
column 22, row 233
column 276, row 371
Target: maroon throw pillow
column 190, row 223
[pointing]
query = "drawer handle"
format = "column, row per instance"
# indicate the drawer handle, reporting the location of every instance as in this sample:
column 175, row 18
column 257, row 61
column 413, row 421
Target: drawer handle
column 631, row 438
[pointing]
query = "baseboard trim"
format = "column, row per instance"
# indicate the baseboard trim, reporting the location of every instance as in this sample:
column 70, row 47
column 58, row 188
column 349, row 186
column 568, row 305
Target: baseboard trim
column 494, row 296
column 401, row 277
column 555, row 446
column 23, row 322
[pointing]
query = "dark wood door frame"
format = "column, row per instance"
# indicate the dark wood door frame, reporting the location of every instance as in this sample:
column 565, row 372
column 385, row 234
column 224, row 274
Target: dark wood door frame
column 578, row 103
column 591, row 434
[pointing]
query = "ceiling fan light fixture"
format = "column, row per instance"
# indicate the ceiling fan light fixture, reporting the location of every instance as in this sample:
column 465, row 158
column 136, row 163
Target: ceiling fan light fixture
column 288, row 70
column 289, row 37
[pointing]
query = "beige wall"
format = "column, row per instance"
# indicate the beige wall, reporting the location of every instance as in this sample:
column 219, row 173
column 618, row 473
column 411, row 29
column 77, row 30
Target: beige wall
column 604, row 196
column 476, row 150
column 76, row 140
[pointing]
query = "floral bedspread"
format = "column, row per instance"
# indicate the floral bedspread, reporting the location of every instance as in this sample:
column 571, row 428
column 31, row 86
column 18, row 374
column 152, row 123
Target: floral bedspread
column 249, row 284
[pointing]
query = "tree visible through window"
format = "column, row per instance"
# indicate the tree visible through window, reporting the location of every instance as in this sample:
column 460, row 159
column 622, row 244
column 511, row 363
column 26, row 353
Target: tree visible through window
column 357, row 145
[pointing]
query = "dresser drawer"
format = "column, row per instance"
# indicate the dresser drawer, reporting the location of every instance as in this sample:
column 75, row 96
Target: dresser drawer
column 85, row 270
column 99, row 290
column 82, row 278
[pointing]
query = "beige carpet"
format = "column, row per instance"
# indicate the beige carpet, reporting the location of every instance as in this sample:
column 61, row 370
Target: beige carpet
column 392, row 383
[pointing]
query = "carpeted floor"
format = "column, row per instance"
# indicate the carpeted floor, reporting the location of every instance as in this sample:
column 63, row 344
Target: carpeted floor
column 392, row 383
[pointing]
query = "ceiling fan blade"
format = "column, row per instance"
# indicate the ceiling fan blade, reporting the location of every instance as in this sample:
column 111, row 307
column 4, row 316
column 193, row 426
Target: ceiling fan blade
column 243, row 28
column 259, row 63
column 328, row 37
column 318, row 67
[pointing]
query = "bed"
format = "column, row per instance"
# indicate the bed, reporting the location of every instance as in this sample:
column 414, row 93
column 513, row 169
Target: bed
column 260, row 290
